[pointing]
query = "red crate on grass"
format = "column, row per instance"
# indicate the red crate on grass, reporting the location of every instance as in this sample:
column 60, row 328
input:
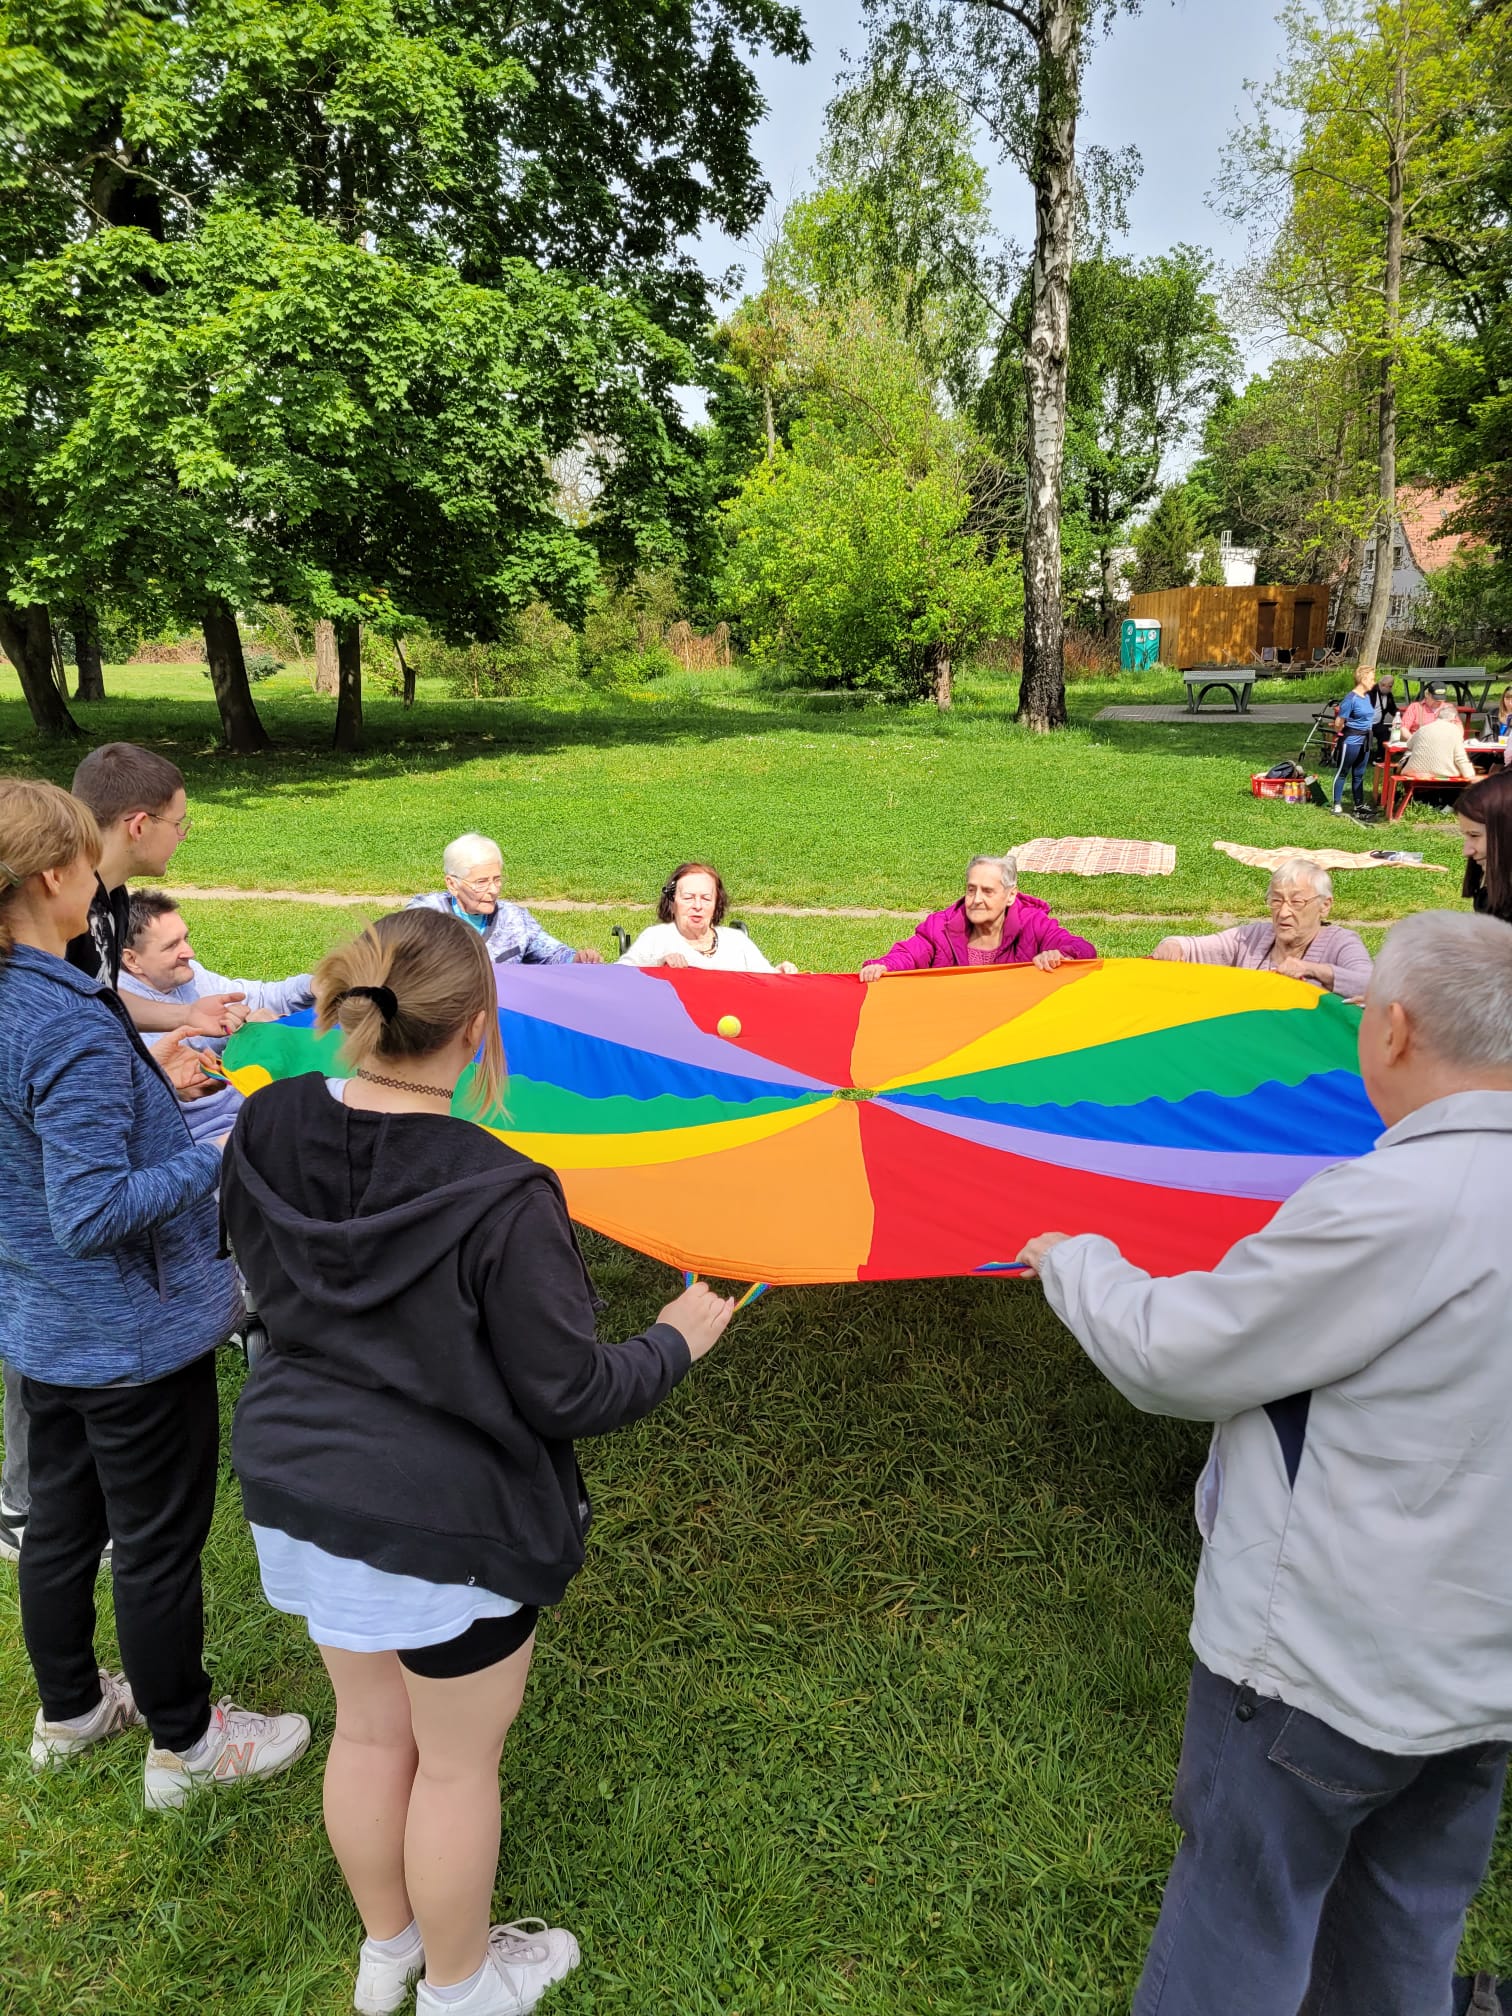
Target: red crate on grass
column 1293, row 790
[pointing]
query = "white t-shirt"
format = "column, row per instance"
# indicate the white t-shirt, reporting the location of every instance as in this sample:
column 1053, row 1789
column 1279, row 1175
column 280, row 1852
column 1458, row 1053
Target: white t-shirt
column 733, row 950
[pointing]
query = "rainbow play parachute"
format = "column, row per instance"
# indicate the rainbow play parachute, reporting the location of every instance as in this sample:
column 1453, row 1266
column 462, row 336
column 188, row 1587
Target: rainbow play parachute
column 924, row 1125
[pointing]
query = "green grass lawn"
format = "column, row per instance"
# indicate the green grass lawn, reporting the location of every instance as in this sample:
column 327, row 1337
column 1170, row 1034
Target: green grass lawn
column 868, row 1700
column 802, row 799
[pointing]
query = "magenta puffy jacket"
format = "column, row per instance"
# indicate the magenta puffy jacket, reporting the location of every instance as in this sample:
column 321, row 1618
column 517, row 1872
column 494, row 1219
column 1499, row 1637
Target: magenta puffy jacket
column 1028, row 928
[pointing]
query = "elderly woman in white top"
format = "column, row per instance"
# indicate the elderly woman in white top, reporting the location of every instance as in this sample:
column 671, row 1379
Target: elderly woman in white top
column 474, row 870
column 689, row 914
column 1297, row 939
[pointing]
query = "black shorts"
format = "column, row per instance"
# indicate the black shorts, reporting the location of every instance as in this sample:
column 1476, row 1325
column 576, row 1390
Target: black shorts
column 480, row 1646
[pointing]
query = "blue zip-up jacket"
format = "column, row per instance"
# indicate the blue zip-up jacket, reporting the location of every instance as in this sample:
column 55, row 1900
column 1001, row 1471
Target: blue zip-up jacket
column 109, row 1231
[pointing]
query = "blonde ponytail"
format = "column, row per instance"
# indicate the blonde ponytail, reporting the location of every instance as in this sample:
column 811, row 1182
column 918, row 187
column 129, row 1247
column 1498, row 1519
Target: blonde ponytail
column 40, row 827
column 404, row 988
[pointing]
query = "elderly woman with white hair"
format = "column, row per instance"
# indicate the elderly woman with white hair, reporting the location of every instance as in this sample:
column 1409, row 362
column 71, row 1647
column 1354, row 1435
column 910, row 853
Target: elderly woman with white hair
column 993, row 924
column 1297, row 938
column 474, row 870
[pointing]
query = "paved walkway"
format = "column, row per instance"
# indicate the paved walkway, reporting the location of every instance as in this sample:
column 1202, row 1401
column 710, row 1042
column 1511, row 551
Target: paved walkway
column 1274, row 713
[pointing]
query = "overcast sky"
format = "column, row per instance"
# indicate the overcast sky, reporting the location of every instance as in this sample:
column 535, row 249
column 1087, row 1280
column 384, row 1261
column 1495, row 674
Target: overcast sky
column 1169, row 79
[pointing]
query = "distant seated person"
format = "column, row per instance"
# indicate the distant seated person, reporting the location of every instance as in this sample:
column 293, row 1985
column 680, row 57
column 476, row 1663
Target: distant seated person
column 1437, row 749
column 993, row 924
column 688, row 930
column 1384, row 701
column 1297, row 940
column 474, row 870
column 1425, row 708
column 158, row 965
column 1499, row 720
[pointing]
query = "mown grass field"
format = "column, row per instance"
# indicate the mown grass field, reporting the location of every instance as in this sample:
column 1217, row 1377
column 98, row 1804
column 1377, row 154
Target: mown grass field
column 868, row 1700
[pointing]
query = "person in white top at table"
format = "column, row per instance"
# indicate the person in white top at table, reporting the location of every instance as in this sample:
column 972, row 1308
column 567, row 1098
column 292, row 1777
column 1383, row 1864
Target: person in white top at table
column 690, row 913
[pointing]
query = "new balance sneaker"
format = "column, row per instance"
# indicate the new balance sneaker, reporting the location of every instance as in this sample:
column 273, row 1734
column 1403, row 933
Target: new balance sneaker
column 384, row 1976
column 523, row 1961
column 238, row 1745
column 12, row 1531
column 53, row 1742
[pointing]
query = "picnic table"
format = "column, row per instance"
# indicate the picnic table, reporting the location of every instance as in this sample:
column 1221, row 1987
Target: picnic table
column 1394, row 792
column 1471, row 684
column 1235, row 680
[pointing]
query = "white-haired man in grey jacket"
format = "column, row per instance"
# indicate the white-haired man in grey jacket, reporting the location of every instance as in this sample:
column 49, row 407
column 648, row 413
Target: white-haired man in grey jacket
column 1350, row 1709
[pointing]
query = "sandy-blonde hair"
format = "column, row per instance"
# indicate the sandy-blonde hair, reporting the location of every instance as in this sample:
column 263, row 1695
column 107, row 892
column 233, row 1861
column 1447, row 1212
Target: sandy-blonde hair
column 40, row 827
column 439, row 976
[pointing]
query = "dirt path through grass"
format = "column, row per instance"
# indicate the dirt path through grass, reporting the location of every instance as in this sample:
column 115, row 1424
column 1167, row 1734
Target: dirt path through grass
column 336, row 899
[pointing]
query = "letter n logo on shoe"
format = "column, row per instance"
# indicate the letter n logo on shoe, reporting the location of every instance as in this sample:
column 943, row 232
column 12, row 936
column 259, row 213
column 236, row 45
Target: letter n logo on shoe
column 235, row 1761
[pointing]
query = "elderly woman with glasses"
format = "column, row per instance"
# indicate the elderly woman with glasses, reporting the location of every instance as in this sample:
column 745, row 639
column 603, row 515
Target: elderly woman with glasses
column 474, row 871
column 1297, row 939
column 992, row 924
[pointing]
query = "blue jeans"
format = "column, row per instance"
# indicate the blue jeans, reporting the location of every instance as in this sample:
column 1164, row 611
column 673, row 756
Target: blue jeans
column 1354, row 754
column 1315, row 1877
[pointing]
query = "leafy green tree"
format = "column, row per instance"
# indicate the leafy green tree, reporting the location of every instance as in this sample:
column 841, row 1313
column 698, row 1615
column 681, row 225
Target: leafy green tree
column 1384, row 112
column 1149, row 356
column 1165, row 543
column 853, row 553
column 1210, row 572
column 577, row 135
column 1016, row 67
column 300, row 421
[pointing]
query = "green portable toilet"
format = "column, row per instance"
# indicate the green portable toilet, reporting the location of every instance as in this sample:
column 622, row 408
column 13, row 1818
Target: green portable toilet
column 1139, row 643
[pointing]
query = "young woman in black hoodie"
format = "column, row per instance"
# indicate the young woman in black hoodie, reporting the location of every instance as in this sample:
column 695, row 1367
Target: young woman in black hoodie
column 405, row 1444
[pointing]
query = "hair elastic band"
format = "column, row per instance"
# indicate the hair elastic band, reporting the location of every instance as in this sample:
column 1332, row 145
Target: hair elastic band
column 382, row 998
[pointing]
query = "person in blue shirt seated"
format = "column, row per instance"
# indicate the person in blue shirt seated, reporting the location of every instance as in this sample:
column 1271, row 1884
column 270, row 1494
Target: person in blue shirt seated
column 474, row 870
column 1499, row 719
column 1357, row 718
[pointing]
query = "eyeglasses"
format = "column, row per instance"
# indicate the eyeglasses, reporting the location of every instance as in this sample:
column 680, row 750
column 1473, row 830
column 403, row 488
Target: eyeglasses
column 495, row 882
column 1292, row 902
column 183, row 827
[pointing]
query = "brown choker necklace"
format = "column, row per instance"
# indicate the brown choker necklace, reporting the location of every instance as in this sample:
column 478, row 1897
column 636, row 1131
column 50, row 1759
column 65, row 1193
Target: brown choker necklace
column 408, row 1085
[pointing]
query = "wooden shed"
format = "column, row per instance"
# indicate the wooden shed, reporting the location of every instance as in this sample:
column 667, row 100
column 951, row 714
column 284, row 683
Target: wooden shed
column 1231, row 626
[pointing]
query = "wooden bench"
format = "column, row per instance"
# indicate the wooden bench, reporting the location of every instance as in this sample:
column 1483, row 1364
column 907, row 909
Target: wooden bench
column 1235, row 680
column 1394, row 792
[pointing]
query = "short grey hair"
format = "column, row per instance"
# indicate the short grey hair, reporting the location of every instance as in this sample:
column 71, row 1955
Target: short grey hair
column 1452, row 973
column 1005, row 864
column 1299, row 869
column 468, row 847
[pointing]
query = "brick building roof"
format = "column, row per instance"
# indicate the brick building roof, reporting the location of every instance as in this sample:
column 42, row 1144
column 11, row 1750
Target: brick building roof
column 1421, row 513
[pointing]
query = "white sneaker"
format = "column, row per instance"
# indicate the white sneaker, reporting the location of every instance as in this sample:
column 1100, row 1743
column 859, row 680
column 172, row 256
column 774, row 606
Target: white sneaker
column 384, row 1983
column 53, row 1741
column 238, row 1744
column 523, row 1961
column 12, row 1533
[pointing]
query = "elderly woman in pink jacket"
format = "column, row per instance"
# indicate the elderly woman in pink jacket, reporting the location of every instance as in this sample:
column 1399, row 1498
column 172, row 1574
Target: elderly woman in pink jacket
column 1297, row 938
column 994, row 924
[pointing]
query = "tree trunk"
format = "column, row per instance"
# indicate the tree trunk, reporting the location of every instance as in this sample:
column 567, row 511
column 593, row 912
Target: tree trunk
column 348, row 735
column 937, row 665
column 243, row 731
column 771, row 423
column 26, row 639
column 1347, row 608
column 90, row 685
column 1386, row 516
column 327, row 674
column 407, row 672
column 1042, row 690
